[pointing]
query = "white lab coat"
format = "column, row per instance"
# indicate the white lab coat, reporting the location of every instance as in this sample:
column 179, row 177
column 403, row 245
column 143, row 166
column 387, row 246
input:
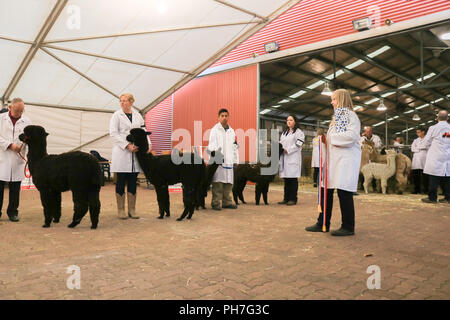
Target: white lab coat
column 291, row 162
column 123, row 160
column 315, row 161
column 375, row 139
column 438, row 156
column 11, row 164
column 344, row 155
column 219, row 138
column 419, row 155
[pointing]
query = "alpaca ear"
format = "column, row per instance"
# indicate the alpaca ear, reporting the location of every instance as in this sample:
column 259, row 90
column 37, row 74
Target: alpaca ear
column 148, row 133
column 46, row 134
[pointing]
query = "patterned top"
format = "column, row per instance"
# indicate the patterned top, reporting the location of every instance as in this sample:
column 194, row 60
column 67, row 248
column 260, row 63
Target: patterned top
column 340, row 119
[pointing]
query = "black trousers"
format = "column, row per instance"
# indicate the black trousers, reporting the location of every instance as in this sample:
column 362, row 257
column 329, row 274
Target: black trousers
column 126, row 178
column 347, row 208
column 420, row 180
column 290, row 189
column 14, row 197
column 316, row 175
column 434, row 182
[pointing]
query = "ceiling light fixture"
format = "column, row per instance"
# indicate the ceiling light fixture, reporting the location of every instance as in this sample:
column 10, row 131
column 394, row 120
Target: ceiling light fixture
column 381, row 106
column 326, row 91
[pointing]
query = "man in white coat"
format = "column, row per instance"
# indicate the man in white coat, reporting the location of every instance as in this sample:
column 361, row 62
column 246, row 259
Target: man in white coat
column 368, row 135
column 223, row 138
column 124, row 161
column 418, row 163
column 437, row 164
column 12, row 165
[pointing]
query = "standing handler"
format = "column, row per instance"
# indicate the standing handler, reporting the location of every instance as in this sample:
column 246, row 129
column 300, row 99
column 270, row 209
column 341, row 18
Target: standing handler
column 124, row 161
column 344, row 158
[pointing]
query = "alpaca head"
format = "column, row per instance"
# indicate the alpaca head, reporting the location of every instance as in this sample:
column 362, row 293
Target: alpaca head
column 138, row 137
column 34, row 136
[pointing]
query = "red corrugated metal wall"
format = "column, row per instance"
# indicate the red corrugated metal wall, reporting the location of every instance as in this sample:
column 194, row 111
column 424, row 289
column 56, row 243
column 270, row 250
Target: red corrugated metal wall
column 312, row 21
column 201, row 99
column 159, row 121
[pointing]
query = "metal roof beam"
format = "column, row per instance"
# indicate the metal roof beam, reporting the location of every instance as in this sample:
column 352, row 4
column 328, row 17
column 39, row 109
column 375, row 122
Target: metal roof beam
column 264, row 19
column 45, row 29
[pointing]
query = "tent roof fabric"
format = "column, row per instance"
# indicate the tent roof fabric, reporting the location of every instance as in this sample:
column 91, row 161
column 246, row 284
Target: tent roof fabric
column 81, row 55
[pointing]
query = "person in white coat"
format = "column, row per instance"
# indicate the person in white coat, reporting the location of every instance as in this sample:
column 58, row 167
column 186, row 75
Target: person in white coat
column 222, row 137
column 12, row 164
column 370, row 136
column 124, row 161
column 418, row 163
column 344, row 158
column 290, row 166
column 315, row 159
column 437, row 163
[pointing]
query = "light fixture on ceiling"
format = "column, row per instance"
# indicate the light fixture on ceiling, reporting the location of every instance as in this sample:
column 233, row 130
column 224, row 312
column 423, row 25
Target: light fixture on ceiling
column 445, row 36
column 416, row 117
column 362, row 24
column 381, row 106
column 326, row 91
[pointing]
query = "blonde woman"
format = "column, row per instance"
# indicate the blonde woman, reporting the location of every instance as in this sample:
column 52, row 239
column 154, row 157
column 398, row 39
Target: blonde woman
column 124, row 161
column 344, row 157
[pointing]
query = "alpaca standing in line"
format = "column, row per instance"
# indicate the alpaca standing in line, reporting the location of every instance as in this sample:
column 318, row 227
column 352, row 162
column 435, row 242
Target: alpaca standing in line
column 379, row 171
column 52, row 174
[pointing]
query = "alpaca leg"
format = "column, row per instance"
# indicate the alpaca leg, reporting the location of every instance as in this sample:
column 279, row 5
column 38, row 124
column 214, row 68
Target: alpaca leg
column 188, row 194
column 191, row 206
column 57, row 209
column 258, row 191
column 80, row 207
column 160, row 197
column 46, row 204
column 265, row 191
column 94, row 207
column 241, row 190
column 235, row 194
column 367, row 181
column 383, row 185
column 166, row 200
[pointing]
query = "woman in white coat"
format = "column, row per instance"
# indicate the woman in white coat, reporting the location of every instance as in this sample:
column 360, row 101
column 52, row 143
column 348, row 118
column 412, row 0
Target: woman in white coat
column 418, row 163
column 124, row 161
column 290, row 168
column 344, row 158
column 315, row 160
column 12, row 165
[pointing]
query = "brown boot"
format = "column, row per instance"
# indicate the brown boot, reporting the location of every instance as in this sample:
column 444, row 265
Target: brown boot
column 132, row 206
column 121, row 206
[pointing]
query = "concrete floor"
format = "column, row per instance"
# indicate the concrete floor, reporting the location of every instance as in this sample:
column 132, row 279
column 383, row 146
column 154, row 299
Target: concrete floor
column 255, row 252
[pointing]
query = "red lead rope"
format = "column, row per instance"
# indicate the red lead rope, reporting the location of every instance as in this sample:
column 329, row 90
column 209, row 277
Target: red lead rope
column 26, row 164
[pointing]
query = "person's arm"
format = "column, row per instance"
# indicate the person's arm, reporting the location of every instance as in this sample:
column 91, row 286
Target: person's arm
column 298, row 143
column 115, row 134
column 414, row 146
column 350, row 136
column 425, row 144
column 212, row 144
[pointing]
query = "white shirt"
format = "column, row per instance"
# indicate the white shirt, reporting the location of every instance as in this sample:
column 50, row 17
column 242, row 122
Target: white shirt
column 438, row 156
column 419, row 155
column 291, row 162
column 375, row 139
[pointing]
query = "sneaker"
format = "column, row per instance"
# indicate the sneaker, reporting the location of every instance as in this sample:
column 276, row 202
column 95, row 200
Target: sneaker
column 230, row 206
column 342, row 232
column 291, row 203
column 283, row 202
column 316, row 228
column 443, row 200
column 427, row 200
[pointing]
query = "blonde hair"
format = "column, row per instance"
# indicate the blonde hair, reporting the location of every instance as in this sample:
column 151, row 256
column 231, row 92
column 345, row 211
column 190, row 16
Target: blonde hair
column 344, row 100
column 129, row 97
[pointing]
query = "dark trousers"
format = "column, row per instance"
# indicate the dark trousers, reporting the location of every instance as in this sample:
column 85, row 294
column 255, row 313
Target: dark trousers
column 290, row 189
column 434, row 182
column 126, row 178
column 420, row 180
column 14, row 194
column 316, row 175
column 347, row 209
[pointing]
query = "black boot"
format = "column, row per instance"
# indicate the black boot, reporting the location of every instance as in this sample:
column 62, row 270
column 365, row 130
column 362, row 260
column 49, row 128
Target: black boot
column 316, row 228
column 342, row 232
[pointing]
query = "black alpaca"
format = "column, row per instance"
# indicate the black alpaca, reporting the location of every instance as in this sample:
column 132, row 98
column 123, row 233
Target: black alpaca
column 52, row 174
column 162, row 172
column 210, row 170
column 247, row 172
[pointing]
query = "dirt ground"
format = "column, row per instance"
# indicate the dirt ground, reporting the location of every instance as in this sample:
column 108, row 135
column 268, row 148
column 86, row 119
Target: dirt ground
column 254, row 252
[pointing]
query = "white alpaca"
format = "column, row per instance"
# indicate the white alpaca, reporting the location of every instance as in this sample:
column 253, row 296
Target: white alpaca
column 379, row 171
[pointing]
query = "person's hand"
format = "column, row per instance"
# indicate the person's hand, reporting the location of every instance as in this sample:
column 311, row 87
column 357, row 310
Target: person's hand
column 14, row 147
column 149, row 150
column 323, row 138
column 132, row 148
column 284, row 151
